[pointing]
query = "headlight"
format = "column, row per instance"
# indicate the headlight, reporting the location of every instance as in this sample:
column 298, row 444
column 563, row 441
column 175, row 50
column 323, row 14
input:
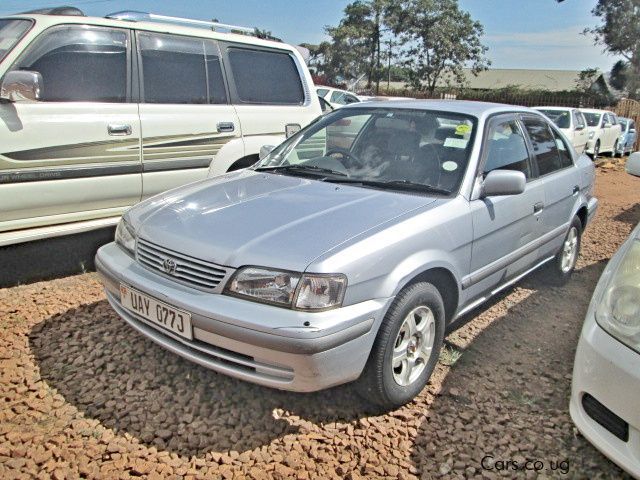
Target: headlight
column 619, row 309
column 591, row 135
column 126, row 237
column 288, row 289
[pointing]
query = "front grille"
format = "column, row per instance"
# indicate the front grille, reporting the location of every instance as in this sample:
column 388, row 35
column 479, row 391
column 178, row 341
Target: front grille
column 185, row 269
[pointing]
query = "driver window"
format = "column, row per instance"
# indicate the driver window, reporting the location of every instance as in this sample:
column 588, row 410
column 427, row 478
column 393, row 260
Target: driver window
column 506, row 148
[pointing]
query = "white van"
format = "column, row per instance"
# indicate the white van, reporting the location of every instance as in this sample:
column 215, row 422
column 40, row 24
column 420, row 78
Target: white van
column 97, row 114
column 604, row 131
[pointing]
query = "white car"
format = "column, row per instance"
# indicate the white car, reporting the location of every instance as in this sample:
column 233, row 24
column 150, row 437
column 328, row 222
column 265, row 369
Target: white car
column 606, row 374
column 572, row 123
column 604, row 131
column 100, row 113
column 337, row 98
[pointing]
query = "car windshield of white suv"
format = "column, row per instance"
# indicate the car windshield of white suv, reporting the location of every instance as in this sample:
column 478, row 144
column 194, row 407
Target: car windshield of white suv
column 11, row 31
column 593, row 119
column 562, row 118
column 395, row 149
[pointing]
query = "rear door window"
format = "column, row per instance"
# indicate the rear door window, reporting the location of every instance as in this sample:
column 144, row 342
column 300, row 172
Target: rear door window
column 80, row 64
column 180, row 70
column 578, row 120
column 544, row 146
column 265, row 77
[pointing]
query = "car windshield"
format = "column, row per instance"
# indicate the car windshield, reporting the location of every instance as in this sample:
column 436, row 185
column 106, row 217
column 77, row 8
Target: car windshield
column 593, row 119
column 562, row 118
column 388, row 148
column 11, row 31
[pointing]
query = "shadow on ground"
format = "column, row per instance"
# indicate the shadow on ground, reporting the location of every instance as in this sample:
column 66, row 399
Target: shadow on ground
column 507, row 396
column 629, row 215
column 113, row 374
column 51, row 258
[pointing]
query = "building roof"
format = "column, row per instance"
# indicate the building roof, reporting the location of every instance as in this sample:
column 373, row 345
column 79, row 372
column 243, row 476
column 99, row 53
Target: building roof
column 527, row 79
column 495, row 78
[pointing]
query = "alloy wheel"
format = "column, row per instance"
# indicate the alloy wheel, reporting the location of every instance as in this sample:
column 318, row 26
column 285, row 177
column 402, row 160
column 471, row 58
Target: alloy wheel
column 413, row 345
column 569, row 250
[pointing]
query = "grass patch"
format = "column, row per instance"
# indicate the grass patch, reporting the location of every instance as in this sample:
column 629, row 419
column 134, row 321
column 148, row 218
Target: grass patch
column 449, row 356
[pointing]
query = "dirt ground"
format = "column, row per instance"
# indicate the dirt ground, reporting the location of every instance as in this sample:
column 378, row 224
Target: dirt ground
column 83, row 395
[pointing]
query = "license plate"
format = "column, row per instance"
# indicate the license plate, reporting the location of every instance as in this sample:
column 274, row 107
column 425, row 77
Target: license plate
column 159, row 313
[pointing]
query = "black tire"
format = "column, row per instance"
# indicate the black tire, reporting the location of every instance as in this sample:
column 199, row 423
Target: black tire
column 615, row 152
column 560, row 274
column 596, row 150
column 377, row 384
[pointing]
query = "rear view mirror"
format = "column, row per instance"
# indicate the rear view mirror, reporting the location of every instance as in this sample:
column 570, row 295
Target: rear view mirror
column 633, row 164
column 265, row 150
column 633, row 130
column 607, row 125
column 20, row 85
column 503, row 182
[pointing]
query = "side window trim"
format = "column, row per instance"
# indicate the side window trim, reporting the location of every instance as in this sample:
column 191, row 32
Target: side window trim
column 46, row 31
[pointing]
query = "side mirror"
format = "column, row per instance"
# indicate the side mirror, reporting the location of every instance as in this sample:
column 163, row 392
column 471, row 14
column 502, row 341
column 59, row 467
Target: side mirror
column 607, row 125
column 503, row 182
column 579, row 128
column 20, row 85
column 265, row 150
column 633, row 164
column 633, row 130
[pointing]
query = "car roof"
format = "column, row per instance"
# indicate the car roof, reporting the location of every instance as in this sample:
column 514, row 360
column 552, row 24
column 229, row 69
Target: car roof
column 553, row 108
column 595, row 110
column 467, row 107
column 44, row 21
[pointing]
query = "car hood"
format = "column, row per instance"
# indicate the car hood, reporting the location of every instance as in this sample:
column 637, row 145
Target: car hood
column 254, row 218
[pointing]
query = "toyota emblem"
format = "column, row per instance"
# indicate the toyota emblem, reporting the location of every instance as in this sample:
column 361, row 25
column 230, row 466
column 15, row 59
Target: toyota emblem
column 169, row 266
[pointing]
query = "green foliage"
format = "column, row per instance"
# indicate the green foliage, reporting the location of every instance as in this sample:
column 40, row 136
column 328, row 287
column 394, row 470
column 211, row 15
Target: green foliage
column 440, row 41
column 619, row 73
column 417, row 41
column 619, row 33
column 586, row 78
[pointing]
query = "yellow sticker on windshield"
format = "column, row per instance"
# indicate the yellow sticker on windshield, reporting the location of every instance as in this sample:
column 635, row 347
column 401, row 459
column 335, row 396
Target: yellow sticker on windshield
column 462, row 129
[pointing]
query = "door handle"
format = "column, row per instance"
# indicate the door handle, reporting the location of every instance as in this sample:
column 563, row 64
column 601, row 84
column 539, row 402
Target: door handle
column 226, row 127
column 119, row 130
column 576, row 190
column 538, row 207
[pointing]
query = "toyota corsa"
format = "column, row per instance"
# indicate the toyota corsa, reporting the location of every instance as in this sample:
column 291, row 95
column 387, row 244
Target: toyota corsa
column 347, row 251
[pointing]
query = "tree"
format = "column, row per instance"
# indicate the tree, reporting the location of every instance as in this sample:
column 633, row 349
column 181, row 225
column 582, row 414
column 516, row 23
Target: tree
column 586, row 78
column 618, row 76
column 619, row 33
column 357, row 42
column 441, row 40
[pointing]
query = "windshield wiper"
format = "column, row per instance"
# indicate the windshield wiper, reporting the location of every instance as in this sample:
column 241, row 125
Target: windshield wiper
column 303, row 168
column 402, row 184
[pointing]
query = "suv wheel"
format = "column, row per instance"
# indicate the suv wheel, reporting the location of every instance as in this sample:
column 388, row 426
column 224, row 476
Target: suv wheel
column 565, row 261
column 615, row 152
column 406, row 349
column 596, row 150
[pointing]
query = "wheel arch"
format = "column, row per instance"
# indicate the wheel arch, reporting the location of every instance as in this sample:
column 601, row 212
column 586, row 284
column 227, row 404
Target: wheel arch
column 445, row 281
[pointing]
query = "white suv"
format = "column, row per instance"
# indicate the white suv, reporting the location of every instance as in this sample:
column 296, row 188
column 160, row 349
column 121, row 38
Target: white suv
column 99, row 113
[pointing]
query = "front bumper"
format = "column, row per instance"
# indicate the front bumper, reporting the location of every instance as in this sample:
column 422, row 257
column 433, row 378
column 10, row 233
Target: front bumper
column 259, row 343
column 608, row 371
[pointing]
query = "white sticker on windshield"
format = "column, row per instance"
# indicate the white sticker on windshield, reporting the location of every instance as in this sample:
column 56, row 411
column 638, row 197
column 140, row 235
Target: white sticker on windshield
column 456, row 142
column 449, row 166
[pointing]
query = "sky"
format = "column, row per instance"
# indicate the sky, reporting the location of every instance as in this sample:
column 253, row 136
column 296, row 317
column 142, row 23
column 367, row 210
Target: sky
column 540, row 34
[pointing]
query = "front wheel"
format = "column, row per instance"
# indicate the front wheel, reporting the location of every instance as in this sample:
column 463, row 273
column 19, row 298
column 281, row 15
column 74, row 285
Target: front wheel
column 616, row 153
column 406, row 349
column 596, row 150
column 565, row 260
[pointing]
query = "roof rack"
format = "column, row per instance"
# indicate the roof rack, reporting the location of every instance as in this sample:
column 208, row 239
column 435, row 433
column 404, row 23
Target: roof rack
column 134, row 16
column 65, row 10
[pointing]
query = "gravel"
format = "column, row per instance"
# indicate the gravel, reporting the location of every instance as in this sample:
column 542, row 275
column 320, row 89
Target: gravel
column 83, row 395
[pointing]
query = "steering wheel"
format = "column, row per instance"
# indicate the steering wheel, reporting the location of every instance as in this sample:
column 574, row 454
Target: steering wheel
column 345, row 153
